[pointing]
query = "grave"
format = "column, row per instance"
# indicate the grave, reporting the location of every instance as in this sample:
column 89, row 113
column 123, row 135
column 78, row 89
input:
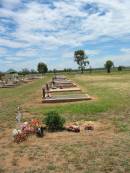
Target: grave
column 62, row 85
column 64, row 89
column 66, row 98
column 59, row 77
column 7, row 84
column 1, row 84
column 65, row 85
column 62, row 81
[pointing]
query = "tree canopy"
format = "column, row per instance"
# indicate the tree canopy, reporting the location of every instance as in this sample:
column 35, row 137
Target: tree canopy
column 81, row 59
column 11, row 71
column 108, row 65
column 120, row 68
column 42, row 68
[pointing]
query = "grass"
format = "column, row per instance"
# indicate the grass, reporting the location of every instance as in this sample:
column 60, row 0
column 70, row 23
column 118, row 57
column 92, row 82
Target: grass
column 105, row 150
column 13, row 97
column 109, row 92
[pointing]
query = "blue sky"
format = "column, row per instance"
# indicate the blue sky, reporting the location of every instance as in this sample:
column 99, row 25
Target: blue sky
column 49, row 31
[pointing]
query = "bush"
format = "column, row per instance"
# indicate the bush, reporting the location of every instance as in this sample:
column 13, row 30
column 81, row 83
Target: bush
column 54, row 121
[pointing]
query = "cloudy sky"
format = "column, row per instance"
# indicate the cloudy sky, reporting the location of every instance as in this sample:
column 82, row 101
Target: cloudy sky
column 49, row 31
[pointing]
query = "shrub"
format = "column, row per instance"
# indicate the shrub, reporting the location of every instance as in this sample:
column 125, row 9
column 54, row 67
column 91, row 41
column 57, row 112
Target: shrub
column 54, row 121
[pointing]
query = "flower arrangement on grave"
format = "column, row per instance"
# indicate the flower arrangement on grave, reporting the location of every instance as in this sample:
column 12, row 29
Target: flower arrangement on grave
column 26, row 129
column 73, row 128
column 38, row 127
column 19, row 136
column 35, row 123
column 89, row 126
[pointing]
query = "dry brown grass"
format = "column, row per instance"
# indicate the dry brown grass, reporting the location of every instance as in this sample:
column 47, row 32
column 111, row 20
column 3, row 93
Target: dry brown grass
column 67, row 152
column 62, row 151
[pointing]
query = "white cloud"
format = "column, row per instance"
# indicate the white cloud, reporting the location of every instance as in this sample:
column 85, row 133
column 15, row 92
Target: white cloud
column 12, row 44
column 10, row 3
column 2, row 29
column 125, row 50
column 2, row 50
column 118, row 60
column 76, row 29
column 26, row 53
column 73, row 30
column 66, row 25
column 92, row 52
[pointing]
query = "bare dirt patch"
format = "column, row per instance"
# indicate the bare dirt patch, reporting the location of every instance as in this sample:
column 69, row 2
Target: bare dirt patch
column 56, row 151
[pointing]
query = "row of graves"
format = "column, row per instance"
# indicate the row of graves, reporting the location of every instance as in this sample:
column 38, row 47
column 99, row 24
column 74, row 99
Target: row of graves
column 61, row 89
column 13, row 80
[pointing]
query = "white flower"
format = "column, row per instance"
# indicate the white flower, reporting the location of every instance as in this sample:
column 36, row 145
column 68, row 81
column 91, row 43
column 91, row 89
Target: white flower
column 15, row 132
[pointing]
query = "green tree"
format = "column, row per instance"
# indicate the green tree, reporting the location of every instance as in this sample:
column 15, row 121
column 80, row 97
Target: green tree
column 108, row 65
column 42, row 68
column 25, row 71
column 81, row 59
column 11, row 71
column 120, row 68
column 54, row 71
column 33, row 71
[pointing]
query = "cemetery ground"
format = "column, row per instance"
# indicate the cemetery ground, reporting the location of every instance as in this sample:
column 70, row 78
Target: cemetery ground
column 104, row 150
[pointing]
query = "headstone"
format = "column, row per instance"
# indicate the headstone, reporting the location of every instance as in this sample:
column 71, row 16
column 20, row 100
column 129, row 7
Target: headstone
column 19, row 115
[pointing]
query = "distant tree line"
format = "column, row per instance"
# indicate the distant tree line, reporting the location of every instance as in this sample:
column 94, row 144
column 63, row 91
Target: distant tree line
column 41, row 68
column 80, row 58
column 26, row 71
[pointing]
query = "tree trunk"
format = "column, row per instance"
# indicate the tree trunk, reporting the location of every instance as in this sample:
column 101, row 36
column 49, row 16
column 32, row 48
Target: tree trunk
column 108, row 70
column 82, row 70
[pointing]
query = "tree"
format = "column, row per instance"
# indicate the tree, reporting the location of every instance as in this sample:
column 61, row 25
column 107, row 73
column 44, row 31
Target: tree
column 81, row 59
column 120, row 68
column 25, row 71
column 67, row 70
column 108, row 65
column 90, row 69
column 54, row 71
column 42, row 68
column 33, row 71
column 11, row 71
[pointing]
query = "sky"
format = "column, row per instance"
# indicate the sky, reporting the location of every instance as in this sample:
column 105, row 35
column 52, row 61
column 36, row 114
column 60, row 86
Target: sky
column 49, row 31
